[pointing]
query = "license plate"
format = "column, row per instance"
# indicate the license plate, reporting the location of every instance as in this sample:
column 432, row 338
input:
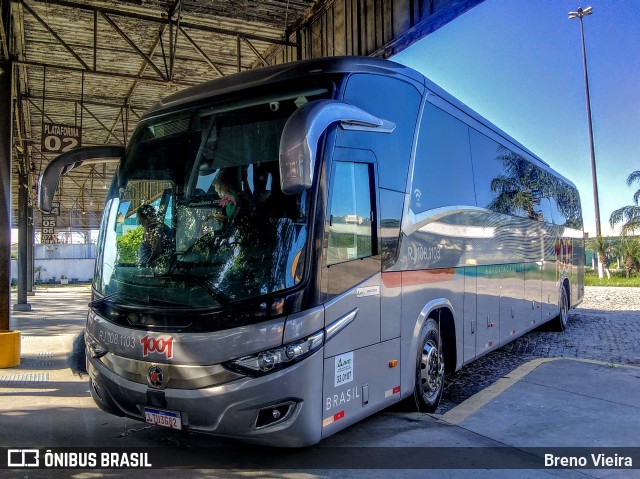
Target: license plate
column 162, row 417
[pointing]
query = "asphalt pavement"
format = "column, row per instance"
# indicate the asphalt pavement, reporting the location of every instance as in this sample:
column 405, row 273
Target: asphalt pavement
column 528, row 416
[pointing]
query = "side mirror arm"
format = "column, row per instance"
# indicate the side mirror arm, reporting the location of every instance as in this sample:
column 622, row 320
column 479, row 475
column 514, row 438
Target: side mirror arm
column 64, row 163
column 299, row 140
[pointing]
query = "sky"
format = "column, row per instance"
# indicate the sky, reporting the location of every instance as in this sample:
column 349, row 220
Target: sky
column 519, row 64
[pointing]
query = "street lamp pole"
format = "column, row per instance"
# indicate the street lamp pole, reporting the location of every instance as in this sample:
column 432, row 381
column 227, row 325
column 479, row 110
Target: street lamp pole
column 601, row 256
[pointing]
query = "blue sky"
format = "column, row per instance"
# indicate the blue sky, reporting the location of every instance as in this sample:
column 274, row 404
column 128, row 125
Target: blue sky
column 519, row 64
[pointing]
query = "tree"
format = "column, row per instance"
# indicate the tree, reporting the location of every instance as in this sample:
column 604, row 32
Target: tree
column 522, row 185
column 630, row 249
column 128, row 245
column 629, row 214
column 615, row 250
column 599, row 245
column 38, row 270
column 514, row 189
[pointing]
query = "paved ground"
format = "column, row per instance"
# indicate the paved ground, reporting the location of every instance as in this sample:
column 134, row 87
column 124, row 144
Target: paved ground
column 605, row 327
column 517, row 397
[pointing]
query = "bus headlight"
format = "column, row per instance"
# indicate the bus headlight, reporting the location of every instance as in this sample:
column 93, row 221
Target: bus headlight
column 273, row 359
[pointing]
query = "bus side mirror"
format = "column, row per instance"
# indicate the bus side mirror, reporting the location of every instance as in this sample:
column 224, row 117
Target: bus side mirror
column 61, row 165
column 299, row 140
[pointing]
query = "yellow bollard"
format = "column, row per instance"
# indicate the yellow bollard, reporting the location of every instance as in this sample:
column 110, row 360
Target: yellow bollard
column 9, row 349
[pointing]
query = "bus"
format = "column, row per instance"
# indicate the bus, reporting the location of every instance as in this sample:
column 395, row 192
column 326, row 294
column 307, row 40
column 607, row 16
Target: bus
column 288, row 250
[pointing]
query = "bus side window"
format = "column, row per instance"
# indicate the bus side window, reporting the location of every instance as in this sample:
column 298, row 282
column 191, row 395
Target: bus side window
column 350, row 217
column 396, row 101
column 442, row 174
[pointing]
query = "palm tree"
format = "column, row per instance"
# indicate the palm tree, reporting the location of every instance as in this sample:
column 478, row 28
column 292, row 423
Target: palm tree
column 599, row 245
column 615, row 249
column 630, row 249
column 38, row 270
column 627, row 249
column 629, row 214
column 514, row 189
column 522, row 185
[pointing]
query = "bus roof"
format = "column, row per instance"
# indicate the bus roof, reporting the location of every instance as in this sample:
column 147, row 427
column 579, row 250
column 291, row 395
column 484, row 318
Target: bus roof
column 321, row 66
column 277, row 73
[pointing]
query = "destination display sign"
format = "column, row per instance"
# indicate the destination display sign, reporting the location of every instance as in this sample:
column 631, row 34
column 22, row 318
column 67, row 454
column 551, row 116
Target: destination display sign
column 49, row 223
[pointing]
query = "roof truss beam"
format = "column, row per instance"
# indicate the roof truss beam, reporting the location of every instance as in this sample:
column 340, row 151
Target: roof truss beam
column 103, row 73
column 201, row 52
column 255, row 51
column 86, row 101
column 55, row 35
column 133, row 45
column 105, row 127
column 165, row 21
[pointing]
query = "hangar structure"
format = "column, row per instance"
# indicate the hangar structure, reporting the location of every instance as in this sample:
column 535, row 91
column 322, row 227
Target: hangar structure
column 82, row 72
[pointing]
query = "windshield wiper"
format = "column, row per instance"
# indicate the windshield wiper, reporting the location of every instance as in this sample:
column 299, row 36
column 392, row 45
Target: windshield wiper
column 104, row 299
column 211, row 290
column 131, row 299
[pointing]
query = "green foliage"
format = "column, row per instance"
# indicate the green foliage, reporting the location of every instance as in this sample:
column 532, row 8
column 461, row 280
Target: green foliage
column 629, row 249
column 617, row 279
column 623, row 248
column 38, row 270
column 629, row 215
column 129, row 244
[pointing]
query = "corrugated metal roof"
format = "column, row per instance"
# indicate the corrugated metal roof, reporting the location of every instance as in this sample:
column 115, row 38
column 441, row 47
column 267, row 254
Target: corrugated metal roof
column 108, row 61
column 109, row 40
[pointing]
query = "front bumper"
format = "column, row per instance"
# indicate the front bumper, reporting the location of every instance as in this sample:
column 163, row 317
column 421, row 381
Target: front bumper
column 229, row 409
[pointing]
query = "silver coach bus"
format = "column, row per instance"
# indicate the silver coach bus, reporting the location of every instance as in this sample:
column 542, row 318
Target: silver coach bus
column 288, row 250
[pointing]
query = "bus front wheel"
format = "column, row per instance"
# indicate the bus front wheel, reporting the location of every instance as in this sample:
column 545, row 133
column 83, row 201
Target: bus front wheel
column 430, row 368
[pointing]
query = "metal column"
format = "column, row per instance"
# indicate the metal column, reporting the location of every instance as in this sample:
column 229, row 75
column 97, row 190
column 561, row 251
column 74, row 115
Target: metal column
column 31, row 235
column 5, row 193
column 23, row 242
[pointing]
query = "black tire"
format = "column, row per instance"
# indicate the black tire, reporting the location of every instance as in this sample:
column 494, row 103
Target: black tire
column 559, row 323
column 429, row 380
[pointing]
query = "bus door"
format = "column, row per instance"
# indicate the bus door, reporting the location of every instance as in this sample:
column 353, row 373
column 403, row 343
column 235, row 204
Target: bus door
column 360, row 375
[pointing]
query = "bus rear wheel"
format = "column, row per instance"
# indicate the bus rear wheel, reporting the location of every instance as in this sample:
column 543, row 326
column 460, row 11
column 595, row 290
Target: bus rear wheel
column 429, row 369
column 560, row 322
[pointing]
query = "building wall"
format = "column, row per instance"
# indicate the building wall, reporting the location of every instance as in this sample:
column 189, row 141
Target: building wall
column 64, row 251
column 71, row 260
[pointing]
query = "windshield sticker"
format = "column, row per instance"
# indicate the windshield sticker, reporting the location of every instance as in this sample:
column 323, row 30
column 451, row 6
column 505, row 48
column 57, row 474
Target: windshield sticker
column 344, row 369
column 157, row 345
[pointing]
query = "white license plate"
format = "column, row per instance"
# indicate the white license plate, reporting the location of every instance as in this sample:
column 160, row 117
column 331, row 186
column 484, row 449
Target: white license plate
column 162, row 417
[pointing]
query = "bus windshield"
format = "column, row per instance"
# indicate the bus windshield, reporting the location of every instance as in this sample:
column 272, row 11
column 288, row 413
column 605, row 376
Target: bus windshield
column 196, row 218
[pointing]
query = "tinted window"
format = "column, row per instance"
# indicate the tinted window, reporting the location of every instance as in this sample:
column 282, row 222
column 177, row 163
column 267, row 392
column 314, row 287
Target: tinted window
column 566, row 205
column 197, row 218
column 486, row 166
column 391, row 203
column 508, row 183
column 442, row 174
column 350, row 215
column 392, row 100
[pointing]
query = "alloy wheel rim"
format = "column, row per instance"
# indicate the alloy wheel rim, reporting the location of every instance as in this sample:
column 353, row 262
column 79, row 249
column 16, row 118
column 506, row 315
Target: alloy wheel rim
column 564, row 307
column 431, row 368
